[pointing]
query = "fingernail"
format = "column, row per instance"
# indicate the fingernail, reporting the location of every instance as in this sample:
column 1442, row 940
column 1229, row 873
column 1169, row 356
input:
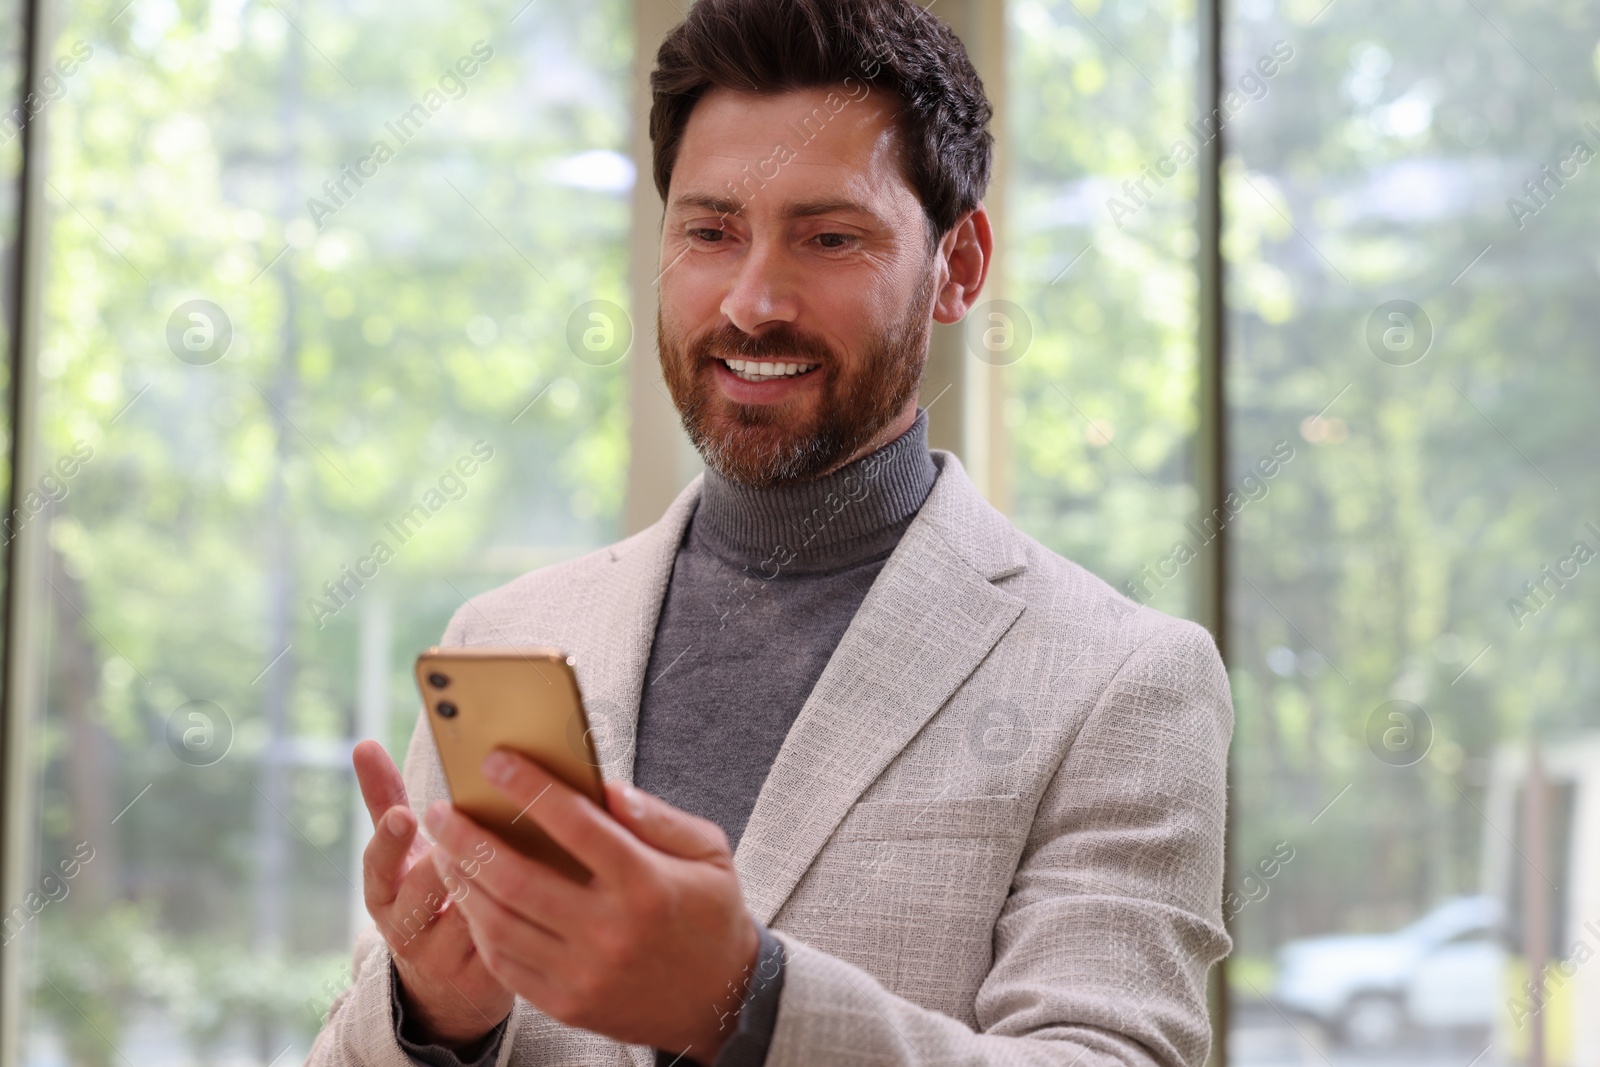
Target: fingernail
column 498, row 767
column 633, row 801
column 395, row 823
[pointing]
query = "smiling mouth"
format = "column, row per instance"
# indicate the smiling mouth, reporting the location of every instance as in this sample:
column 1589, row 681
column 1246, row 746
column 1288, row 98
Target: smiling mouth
column 751, row 370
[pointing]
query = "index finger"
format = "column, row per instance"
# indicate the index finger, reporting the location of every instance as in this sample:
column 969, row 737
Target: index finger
column 572, row 820
column 381, row 785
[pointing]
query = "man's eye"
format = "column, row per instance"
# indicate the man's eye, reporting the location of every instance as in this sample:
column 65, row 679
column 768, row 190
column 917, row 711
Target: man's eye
column 834, row 240
column 707, row 234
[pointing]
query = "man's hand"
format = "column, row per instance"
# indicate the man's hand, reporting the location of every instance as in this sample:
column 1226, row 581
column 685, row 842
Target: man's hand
column 445, row 987
column 656, row 950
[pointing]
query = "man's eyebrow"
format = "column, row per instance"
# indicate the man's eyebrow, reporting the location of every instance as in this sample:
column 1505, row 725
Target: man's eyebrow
column 722, row 205
column 804, row 209
column 829, row 206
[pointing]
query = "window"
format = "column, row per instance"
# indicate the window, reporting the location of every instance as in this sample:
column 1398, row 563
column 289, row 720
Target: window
column 305, row 384
column 1101, row 408
column 338, row 323
column 1411, row 322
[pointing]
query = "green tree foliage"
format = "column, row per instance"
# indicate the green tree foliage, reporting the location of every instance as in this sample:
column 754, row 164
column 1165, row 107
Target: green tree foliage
column 1101, row 408
column 1380, row 166
column 399, row 373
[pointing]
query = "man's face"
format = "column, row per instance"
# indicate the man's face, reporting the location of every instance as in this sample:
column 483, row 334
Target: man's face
column 797, row 287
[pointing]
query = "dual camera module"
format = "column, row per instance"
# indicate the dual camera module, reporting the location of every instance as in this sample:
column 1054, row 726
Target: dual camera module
column 445, row 709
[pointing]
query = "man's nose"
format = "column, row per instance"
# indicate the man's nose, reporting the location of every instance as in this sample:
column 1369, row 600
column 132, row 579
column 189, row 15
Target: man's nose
column 763, row 290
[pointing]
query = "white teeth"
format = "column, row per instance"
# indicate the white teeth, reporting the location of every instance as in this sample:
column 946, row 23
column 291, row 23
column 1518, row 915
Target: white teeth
column 763, row 371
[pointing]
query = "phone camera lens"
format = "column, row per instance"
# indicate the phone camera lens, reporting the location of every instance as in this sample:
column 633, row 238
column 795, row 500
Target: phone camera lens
column 446, row 709
column 437, row 680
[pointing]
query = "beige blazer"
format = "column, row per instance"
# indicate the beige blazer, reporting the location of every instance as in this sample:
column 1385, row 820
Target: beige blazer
column 993, row 835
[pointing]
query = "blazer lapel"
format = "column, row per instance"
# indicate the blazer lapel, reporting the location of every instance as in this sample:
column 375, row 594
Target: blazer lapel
column 616, row 625
column 925, row 625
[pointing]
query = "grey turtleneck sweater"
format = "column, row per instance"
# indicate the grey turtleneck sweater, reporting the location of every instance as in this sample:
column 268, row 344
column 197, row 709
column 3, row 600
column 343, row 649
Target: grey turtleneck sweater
column 763, row 587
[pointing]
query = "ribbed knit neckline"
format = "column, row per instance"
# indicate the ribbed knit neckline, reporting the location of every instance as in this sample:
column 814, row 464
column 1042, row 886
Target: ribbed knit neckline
column 847, row 517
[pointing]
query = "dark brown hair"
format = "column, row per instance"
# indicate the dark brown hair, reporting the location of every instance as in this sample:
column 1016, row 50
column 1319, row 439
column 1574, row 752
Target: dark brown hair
column 775, row 46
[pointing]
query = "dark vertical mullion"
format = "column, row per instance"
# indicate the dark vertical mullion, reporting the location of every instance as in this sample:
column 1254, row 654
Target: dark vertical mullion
column 1211, row 450
column 1211, row 445
column 21, row 303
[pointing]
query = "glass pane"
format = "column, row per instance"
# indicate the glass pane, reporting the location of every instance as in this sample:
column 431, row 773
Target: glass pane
column 1100, row 408
column 312, row 271
column 1413, row 214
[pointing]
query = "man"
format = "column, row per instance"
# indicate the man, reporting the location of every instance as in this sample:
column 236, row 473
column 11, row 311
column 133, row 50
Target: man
column 907, row 787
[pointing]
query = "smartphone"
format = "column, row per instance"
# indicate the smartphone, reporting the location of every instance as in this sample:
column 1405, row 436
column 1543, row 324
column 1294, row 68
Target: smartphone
column 525, row 699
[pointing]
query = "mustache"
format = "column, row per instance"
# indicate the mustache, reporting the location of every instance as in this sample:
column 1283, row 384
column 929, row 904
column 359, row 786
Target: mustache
column 730, row 342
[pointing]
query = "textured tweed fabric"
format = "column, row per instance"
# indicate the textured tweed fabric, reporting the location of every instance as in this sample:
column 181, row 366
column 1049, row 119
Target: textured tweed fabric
column 993, row 835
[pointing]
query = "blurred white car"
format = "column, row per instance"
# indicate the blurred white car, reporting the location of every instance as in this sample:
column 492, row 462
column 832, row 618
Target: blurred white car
column 1442, row 971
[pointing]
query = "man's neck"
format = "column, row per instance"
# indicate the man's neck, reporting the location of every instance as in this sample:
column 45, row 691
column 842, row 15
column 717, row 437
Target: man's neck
column 822, row 523
column 895, row 429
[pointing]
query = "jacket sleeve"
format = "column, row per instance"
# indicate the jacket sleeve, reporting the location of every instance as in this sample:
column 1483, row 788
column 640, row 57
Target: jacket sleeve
column 1114, row 917
column 360, row 1031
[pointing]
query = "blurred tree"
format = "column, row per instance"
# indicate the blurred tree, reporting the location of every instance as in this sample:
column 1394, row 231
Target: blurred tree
column 229, row 489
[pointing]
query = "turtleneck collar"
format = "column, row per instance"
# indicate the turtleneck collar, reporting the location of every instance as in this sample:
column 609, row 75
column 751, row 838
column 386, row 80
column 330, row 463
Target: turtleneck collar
column 838, row 520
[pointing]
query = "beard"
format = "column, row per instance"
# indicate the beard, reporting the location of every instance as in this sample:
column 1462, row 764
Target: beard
column 764, row 445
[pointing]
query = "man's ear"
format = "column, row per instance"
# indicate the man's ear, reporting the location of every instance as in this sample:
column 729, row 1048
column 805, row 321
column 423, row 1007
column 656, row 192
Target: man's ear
column 966, row 251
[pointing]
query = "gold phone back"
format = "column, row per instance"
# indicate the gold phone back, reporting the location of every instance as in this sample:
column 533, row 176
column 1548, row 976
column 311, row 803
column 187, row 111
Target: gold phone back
column 522, row 699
